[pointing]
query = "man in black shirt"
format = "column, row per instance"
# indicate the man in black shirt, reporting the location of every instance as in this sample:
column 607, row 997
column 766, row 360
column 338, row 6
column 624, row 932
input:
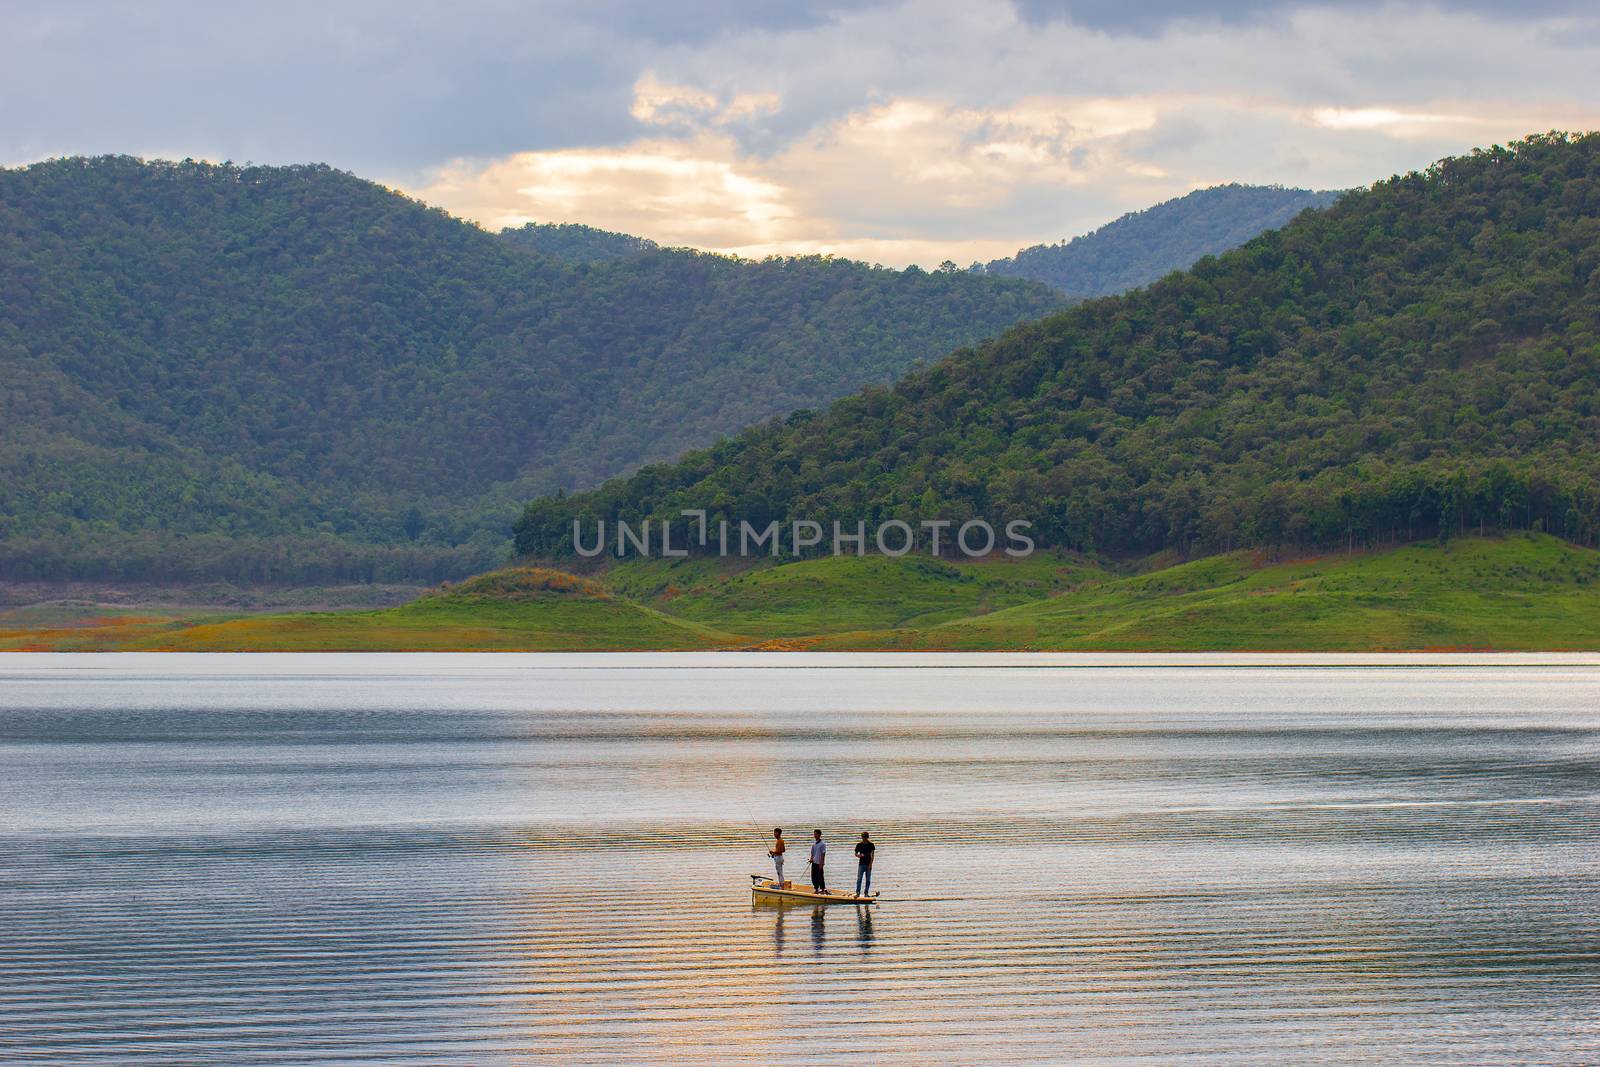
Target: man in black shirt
column 864, row 850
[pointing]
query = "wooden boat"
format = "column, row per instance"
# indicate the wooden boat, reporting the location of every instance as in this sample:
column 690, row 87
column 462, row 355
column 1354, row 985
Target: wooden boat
column 764, row 888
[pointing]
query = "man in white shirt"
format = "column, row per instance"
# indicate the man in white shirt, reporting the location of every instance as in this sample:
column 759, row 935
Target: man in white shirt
column 819, row 856
column 776, row 852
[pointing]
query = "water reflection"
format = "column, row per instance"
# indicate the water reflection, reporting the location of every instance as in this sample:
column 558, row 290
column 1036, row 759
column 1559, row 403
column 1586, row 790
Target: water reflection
column 864, row 928
column 780, row 913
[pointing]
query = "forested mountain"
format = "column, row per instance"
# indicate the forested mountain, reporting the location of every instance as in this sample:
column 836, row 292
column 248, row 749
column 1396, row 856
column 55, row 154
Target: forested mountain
column 1145, row 245
column 288, row 373
column 575, row 242
column 1421, row 357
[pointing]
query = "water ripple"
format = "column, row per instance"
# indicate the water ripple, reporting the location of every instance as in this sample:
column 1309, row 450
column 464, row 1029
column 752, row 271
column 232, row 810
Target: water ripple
column 1369, row 876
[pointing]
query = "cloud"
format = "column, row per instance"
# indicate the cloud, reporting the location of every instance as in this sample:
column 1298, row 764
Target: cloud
column 659, row 103
column 921, row 181
column 902, row 127
column 1152, row 16
column 875, row 182
column 679, row 192
column 1456, row 121
column 918, row 167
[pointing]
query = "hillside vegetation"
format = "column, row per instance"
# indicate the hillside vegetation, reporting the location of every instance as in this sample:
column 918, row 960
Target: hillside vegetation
column 1420, row 359
column 1145, row 245
column 290, row 374
column 1527, row 592
column 845, row 593
column 576, row 243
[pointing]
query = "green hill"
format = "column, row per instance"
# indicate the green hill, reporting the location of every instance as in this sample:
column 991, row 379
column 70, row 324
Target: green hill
column 1530, row 592
column 1421, row 358
column 1145, row 245
column 844, row 593
column 290, row 374
column 518, row 608
column 576, row 243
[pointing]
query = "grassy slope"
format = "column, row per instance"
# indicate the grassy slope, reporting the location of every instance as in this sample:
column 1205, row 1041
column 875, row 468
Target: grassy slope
column 845, row 593
column 1520, row 592
column 517, row 608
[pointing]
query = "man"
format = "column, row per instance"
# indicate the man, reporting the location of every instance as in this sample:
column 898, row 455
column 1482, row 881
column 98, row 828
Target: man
column 776, row 852
column 819, row 856
column 864, row 850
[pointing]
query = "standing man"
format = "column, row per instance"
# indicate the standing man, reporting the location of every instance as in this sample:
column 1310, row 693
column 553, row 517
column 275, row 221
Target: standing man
column 776, row 852
column 819, row 856
column 864, row 850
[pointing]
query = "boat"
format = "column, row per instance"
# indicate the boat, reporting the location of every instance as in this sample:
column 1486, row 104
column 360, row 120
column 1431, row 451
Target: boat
column 764, row 888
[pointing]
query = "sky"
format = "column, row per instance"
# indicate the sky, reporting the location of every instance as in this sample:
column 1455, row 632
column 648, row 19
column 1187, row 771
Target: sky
column 889, row 132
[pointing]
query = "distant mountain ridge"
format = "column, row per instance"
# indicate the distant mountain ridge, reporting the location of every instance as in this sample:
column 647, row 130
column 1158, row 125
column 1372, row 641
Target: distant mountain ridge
column 292, row 374
column 1142, row 246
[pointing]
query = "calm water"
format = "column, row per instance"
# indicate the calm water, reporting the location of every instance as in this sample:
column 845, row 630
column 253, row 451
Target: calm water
column 458, row 859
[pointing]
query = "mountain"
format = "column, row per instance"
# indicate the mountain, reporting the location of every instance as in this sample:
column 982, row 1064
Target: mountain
column 576, row 243
column 1145, row 245
column 288, row 374
column 1418, row 359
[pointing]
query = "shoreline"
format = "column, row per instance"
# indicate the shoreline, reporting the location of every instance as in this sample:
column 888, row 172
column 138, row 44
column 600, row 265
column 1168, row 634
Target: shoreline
column 329, row 662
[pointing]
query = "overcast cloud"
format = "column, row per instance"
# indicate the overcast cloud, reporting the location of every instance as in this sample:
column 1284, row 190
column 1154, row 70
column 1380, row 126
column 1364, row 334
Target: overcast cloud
column 894, row 132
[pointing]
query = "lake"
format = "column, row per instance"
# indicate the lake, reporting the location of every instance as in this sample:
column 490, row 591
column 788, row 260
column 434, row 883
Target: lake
column 503, row 859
